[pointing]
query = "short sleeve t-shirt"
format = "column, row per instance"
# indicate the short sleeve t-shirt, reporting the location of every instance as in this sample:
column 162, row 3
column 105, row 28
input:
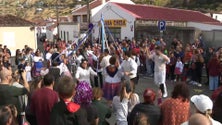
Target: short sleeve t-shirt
column 160, row 63
column 42, row 102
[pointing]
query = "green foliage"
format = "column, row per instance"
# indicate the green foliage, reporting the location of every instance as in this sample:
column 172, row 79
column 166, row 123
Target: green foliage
column 153, row 2
column 161, row 2
column 199, row 5
column 26, row 8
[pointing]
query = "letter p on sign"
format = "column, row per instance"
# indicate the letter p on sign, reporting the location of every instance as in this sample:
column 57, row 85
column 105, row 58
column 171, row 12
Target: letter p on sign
column 162, row 25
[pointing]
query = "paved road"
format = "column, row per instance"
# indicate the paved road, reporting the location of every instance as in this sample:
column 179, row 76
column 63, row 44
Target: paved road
column 147, row 82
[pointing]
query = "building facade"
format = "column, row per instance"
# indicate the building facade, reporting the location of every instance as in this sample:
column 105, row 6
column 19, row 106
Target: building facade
column 16, row 32
column 80, row 14
column 69, row 31
column 141, row 22
column 217, row 16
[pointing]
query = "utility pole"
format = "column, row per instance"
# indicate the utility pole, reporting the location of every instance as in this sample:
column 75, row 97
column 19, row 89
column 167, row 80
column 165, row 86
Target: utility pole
column 88, row 12
column 88, row 18
column 57, row 18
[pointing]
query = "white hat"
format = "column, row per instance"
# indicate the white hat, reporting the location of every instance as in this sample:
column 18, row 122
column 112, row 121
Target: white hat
column 202, row 102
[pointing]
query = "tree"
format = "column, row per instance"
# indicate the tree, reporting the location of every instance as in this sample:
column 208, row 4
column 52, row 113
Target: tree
column 186, row 2
column 153, row 2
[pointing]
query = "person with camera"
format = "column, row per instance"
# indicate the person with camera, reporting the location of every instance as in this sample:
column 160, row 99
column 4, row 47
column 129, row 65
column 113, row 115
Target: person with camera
column 9, row 94
column 23, row 99
column 22, row 65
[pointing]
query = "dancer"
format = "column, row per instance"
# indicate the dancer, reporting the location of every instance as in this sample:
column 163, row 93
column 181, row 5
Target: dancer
column 84, row 72
column 160, row 61
column 113, row 75
column 129, row 68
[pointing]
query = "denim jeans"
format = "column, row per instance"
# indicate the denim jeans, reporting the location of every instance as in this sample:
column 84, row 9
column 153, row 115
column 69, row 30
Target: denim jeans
column 213, row 82
column 121, row 123
column 149, row 66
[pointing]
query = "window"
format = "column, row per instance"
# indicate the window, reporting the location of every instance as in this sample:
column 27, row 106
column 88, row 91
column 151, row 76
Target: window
column 84, row 18
column 115, row 32
column 67, row 34
column 64, row 36
column 75, row 19
column 61, row 35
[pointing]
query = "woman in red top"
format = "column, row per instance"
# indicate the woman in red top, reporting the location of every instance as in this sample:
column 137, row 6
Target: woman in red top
column 175, row 110
column 214, row 72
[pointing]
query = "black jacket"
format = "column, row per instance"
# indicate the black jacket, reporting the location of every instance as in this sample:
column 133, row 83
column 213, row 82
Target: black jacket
column 61, row 116
column 56, row 73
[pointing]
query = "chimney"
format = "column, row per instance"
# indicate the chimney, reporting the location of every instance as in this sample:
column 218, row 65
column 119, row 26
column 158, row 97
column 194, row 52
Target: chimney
column 103, row 1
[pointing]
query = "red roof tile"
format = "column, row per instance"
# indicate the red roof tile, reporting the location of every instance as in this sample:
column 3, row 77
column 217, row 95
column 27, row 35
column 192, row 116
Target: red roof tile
column 213, row 23
column 146, row 12
column 10, row 20
column 92, row 5
column 63, row 19
column 40, row 22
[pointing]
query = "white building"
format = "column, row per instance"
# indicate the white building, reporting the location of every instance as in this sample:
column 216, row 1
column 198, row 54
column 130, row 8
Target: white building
column 119, row 21
column 41, row 29
column 80, row 14
column 51, row 31
column 141, row 21
column 217, row 16
column 69, row 31
column 52, row 26
column 127, row 19
column 205, row 26
column 16, row 32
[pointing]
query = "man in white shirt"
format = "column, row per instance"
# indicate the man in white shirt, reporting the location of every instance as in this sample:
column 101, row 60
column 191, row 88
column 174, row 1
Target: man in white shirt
column 105, row 61
column 160, row 61
column 136, row 58
column 129, row 68
column 78, row 57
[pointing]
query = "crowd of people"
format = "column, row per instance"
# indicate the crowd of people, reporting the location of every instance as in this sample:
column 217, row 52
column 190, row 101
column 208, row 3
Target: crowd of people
column 72, row 84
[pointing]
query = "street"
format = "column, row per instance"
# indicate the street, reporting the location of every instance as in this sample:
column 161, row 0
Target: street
column 147, row 82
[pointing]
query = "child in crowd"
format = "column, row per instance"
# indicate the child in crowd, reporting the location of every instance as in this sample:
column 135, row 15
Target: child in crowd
column 44, row 69
column 28, row 72
column 101, row 106
column 66, row 112
column 171, row 66
column 178, row 69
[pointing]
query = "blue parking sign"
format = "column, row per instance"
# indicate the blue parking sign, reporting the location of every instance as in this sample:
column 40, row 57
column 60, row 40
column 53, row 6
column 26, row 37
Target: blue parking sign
column 162, row 25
